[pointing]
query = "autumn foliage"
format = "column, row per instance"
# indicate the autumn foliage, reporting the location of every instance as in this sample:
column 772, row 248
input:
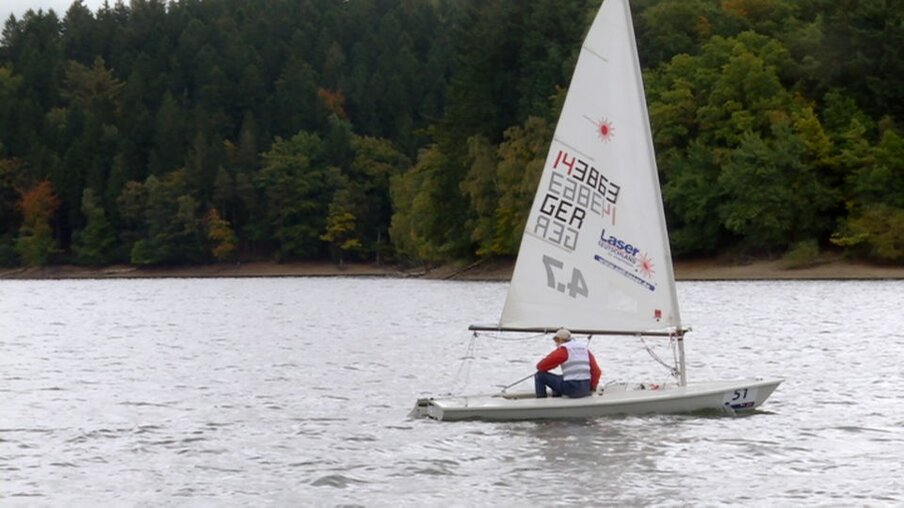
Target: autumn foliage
column 220, row 234
column 778, row 127
column 333, row 100
column 35, row 243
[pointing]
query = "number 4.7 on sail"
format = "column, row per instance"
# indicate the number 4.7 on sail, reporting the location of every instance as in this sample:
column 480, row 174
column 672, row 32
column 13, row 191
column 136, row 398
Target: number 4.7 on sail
column 576, row 287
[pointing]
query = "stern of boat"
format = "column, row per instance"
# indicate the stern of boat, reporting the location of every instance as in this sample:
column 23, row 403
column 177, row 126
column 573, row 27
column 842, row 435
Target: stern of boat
column 420, row 409
column 425, row 408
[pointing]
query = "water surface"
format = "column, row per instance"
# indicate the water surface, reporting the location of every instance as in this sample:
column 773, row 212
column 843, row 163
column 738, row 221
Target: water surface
column 293, row 391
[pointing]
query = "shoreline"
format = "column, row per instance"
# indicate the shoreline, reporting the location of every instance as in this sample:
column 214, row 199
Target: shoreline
column 488, row 270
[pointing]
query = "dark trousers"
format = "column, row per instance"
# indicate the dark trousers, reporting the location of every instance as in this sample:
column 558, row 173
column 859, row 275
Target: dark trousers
column 573, row 389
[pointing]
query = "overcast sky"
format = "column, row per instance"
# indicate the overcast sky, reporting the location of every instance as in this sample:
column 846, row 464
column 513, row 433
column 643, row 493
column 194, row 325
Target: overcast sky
column 18, row 7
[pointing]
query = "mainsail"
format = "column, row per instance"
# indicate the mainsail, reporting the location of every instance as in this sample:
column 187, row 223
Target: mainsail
column 595, row 253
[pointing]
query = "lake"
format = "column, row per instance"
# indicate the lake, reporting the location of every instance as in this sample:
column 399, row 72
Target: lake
column 295, row 391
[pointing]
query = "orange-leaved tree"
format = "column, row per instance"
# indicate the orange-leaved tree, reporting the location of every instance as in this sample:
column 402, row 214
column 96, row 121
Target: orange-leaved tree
column 222, row 237
column 36, row 243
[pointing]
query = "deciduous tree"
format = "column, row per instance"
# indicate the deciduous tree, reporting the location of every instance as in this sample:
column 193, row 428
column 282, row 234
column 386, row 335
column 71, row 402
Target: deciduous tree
column 36, row 243
column 221, row 236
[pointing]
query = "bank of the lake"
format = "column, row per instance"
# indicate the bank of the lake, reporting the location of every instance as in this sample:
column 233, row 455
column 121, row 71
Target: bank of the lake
column 499, row 269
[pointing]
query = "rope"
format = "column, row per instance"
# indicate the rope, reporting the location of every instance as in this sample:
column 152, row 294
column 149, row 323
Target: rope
column 506, row 338
column 463, row 374
column 673, row 341
column 673, row 369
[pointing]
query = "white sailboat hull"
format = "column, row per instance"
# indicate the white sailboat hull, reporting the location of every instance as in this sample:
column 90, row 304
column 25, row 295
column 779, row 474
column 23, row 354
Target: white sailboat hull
column 730, row 397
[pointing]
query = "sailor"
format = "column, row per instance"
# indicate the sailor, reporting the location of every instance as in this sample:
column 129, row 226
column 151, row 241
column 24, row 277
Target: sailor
column 580, row 372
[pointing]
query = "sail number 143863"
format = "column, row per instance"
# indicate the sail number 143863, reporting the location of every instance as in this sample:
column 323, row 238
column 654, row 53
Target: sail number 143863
column 576, row 286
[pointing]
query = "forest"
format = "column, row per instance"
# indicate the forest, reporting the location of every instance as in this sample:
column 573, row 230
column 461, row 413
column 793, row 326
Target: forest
column 413, row 131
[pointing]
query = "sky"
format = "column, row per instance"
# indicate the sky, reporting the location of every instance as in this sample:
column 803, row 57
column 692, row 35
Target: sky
column 18, row 7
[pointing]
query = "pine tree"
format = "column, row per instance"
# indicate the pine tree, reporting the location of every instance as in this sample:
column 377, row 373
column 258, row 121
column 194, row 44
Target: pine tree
column 94, row 245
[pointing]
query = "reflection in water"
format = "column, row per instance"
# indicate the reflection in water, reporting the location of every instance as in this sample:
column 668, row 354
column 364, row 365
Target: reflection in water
column 293, row 391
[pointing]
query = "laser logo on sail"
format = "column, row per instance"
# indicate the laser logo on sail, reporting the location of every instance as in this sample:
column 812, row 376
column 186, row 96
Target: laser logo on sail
column 645, row 266
column 637, row 266
column 625, row 251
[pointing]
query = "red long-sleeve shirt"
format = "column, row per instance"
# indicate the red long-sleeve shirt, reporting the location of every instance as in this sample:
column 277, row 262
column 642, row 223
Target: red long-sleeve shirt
column 558, row 357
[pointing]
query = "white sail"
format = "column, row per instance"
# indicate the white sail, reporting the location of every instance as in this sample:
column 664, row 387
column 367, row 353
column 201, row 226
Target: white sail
column 595, row 253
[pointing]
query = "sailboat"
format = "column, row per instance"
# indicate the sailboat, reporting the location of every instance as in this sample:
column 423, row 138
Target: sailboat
column 594, row 256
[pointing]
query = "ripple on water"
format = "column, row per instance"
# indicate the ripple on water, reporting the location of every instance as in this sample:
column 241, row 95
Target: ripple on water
column 338, row 481
column 217, row 390
column 84, row 436
column 432, row 467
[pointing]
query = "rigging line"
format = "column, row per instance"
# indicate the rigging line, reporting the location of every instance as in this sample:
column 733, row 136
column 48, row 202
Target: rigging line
column 673, row 369
column 512, row 339
column 463, row 374
column 673, row 340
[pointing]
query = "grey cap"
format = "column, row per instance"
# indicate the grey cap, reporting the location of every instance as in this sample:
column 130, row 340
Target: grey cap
column 563, row 334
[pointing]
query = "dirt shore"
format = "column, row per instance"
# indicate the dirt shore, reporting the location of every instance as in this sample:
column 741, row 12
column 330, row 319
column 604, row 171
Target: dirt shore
column 485, row 270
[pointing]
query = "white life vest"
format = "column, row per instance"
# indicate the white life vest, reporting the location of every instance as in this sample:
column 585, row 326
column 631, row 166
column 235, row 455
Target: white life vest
column 577, row 366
